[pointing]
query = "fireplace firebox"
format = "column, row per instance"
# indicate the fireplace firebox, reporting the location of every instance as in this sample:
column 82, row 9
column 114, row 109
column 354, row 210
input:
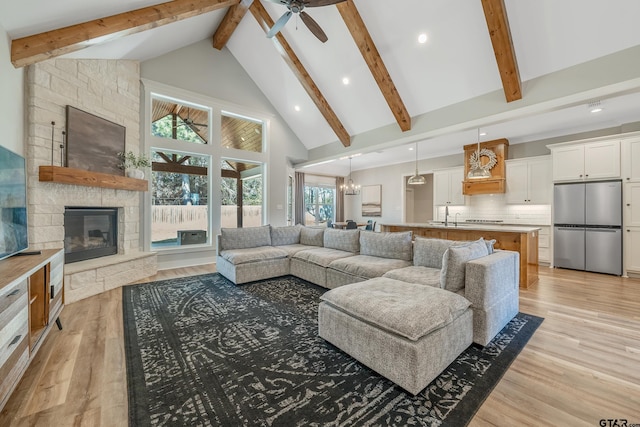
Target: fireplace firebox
column 89, row 233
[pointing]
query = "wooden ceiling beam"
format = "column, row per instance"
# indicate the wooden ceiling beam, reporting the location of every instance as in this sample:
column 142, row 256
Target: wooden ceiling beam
column 292, row 60
column 495, row 14
column 229, row 23
column 372, row 57
column 39, row 47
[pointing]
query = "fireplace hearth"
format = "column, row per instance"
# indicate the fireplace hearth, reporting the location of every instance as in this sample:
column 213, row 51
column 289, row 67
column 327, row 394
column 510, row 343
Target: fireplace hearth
column 90, row 233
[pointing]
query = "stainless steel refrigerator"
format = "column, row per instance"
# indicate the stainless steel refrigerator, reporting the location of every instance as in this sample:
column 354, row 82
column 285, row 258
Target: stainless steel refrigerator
column 587, row 221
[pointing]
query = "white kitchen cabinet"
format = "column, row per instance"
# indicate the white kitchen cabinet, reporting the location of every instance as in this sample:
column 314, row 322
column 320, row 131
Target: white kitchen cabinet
column 447, row 187
column 632, row 249
column 528, row 181
column 590, row 161
column 632, row 226
column 631, row 160
column 544, row 254
column 632, row 204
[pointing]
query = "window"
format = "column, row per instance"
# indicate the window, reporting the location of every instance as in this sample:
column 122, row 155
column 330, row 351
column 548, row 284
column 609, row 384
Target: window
column 179, row 200
column 208, row 168
column 241, row 133
column 319, row 202
column 176, row 120
column 242, row 188
column 290, row 200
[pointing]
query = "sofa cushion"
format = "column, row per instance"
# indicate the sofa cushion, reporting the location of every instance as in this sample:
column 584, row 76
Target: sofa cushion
column 428, row 252
column 344, row 240
column 242, row 238
column 366, row 266
column 289, row 235
column 416, row 274
column 312, row 236
column 291, row 250
column 386, row 245
column 452, row 275
column 321, row 256
column 247, row 255
column 407, row 309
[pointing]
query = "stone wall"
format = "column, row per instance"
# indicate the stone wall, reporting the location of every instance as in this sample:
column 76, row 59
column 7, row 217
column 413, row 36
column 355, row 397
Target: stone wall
column 106, row 88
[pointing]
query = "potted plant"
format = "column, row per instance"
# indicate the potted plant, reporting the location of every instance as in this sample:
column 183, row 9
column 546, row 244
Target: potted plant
column 133, row 164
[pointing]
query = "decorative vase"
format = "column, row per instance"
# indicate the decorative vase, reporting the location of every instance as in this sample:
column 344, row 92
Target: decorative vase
column 135, row 173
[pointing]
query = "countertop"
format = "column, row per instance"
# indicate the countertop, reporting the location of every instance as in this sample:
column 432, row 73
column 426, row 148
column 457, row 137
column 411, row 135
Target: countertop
column 469, row 226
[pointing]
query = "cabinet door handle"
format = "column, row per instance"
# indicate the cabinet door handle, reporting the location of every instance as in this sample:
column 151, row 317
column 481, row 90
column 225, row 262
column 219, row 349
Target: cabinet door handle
column 628, row 204
column 12, row 293
column 15, row 340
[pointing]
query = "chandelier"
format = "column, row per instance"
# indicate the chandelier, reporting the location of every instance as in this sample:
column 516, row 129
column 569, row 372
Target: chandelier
column 350, row 189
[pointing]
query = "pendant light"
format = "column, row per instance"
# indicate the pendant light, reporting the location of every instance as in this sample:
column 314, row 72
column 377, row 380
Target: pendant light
column 350, row 189
column 417, row 179
column 477, row 171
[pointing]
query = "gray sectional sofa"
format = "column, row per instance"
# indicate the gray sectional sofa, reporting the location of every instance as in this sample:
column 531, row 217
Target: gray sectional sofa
column 468, row 291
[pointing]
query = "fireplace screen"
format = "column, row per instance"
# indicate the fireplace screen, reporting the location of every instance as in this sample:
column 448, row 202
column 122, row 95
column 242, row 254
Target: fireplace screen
column 90, row 233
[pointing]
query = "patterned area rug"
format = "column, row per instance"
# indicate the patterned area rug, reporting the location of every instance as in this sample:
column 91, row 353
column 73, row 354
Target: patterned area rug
column 203, row 352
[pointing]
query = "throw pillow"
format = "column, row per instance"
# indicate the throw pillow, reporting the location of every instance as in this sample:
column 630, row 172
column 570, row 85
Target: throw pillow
column 312, row 236
column 490, row 244
column 428, row 252
column 454, row 262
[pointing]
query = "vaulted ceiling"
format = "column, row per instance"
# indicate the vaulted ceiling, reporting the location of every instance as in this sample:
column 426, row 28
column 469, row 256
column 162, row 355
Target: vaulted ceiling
column 519, row 69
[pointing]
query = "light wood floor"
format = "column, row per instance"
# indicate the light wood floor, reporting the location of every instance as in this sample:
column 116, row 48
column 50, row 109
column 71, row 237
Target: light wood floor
column 582, row 364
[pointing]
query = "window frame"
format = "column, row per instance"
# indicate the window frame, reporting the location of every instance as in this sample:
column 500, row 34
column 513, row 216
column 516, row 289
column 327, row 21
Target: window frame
column 213, row 149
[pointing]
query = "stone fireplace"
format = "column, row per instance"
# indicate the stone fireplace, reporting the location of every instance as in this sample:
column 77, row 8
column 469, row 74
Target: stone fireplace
column 89, row 233
column 109, row 89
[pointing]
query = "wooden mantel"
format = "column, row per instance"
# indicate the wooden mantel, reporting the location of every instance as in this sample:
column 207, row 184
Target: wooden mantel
column 64, row 175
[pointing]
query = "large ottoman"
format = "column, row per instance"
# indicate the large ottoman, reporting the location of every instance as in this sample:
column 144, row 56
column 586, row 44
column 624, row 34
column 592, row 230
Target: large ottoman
column 406, row 332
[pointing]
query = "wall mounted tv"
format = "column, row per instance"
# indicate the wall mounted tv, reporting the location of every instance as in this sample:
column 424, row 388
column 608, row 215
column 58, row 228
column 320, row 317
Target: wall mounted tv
column 13, row 204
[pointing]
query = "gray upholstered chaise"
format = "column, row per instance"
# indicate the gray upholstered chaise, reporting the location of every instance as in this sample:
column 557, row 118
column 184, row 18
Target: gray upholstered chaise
column 406, row 332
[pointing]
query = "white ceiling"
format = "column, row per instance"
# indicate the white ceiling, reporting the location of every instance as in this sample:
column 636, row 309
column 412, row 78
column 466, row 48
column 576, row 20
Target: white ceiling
column 456, row 65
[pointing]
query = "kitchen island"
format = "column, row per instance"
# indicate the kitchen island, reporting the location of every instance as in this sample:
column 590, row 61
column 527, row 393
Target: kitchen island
column 510, row 237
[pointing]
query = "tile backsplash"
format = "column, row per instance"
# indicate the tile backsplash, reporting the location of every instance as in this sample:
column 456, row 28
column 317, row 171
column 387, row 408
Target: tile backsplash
column 494, row 207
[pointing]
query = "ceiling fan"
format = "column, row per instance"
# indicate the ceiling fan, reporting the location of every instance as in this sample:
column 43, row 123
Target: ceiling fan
column 188, row 121
column 297, row 6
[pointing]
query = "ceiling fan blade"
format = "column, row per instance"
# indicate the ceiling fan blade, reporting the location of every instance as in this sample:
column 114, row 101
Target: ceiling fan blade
column 318, row 3
column 313, row 27
column 279, row 24
column 279, row 1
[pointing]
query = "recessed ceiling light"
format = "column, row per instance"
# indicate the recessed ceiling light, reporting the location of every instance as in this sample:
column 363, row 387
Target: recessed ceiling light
column 410, row 148
column 345, row 81
column 422, row 38
column 482, row 134
column 297, row 108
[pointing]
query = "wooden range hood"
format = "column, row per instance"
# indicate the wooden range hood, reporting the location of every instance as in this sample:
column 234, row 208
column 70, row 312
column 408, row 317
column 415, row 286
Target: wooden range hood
column 495, row 183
